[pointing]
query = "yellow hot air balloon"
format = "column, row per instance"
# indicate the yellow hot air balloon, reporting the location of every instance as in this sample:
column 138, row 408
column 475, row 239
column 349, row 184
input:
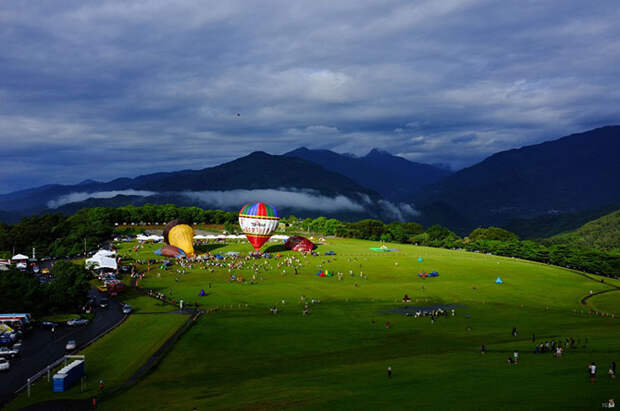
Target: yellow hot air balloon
column 180, row 235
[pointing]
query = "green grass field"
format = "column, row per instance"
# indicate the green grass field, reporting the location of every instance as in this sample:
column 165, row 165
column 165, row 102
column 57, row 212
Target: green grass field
column 241, row 356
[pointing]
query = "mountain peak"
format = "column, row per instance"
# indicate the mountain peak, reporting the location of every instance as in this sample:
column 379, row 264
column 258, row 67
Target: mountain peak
column 87, row 181
column 378, row 152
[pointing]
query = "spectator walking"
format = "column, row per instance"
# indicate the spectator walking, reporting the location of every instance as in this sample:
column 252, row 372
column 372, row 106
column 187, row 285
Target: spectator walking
column 389, row 371
column 612, row 370
column 592, row 372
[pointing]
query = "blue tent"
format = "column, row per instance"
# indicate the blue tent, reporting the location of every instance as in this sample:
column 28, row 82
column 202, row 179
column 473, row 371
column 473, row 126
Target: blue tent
column 420, row 259
column 499, row 281
column 202, row 293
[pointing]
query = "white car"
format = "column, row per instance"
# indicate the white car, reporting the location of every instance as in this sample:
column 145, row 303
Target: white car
column 126, row 309
column 77, row 321
column 9, row 352
column 70, row 345
column 4, row 364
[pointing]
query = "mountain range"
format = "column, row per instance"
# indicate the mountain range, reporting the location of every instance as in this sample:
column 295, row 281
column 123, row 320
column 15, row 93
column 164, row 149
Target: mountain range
column 573, row 174
column 570, row 174
column 395, row 178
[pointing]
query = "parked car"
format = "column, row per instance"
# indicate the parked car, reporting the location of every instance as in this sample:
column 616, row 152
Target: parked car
column 126, row 309
column 9, row 352
column 4, row 364
column 77, row 321
column 71, row 345
column 5, row 339
column 104, row 302
column 49, row 324
column 330, row 253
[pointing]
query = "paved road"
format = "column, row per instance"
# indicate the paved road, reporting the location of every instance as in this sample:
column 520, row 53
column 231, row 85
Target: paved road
column 41, row 347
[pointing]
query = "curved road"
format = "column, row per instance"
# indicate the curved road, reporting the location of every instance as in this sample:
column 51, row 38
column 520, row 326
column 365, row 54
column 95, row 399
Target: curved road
column 40, row 347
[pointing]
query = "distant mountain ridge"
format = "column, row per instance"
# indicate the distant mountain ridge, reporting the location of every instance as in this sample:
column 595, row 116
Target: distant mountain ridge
column 257, row 170
column 570, row 179
column 395, row 178
column 570, row 174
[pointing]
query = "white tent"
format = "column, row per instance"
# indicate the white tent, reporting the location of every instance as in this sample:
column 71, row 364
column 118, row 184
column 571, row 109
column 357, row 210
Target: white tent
column 153, row 237
column 98, row 261
column 19, row 257
column 104, row 253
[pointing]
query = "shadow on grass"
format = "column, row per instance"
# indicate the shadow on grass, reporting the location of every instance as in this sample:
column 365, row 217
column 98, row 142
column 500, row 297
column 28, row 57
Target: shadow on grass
column 276, row 248
column 207, row 248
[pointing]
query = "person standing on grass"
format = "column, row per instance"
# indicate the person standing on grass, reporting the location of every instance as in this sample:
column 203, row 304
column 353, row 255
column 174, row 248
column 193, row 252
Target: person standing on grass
column 100, row 385
column 94, row 402
column 612, row 370
column 516, row 357
column 592, row 372
column 389, row 371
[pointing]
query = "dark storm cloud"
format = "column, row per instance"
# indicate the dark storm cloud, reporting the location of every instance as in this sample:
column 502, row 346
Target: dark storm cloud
column 116, row 88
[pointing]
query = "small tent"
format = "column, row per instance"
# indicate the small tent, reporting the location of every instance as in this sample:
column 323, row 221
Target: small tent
column 19, row 257
column 420, row 259
column 499, row 281
column 202, row 293
column 100, row 262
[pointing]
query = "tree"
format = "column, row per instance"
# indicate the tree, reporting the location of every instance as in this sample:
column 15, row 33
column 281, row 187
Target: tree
column 492, row 233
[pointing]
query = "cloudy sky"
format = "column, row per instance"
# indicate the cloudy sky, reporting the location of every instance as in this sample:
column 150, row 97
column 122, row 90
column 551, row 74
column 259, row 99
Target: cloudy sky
column 102, row 89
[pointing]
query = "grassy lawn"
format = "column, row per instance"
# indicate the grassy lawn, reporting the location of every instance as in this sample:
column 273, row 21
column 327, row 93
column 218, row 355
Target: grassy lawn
column 244, row 357
column 608, row 302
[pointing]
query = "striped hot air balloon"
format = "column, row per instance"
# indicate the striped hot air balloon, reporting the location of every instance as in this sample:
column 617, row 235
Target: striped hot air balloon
column 258, row 221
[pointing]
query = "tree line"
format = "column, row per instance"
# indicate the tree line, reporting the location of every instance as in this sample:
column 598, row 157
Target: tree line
column 57, row 235
column 66, row 292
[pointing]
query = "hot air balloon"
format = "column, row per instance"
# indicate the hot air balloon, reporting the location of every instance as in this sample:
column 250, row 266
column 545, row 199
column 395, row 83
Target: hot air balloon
column 180, row 235
column 258, row 221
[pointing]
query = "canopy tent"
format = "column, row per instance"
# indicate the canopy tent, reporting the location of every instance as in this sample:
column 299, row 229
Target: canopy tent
column 100, row 262
column 499, row 281
column 19, row 257
column 152, row 237
column 105, row 253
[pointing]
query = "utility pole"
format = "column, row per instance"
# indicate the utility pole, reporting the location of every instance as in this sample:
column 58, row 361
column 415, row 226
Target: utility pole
column 84, row 245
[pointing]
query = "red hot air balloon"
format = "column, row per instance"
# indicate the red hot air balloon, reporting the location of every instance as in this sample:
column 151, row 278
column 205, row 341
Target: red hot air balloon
column 258, row 222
